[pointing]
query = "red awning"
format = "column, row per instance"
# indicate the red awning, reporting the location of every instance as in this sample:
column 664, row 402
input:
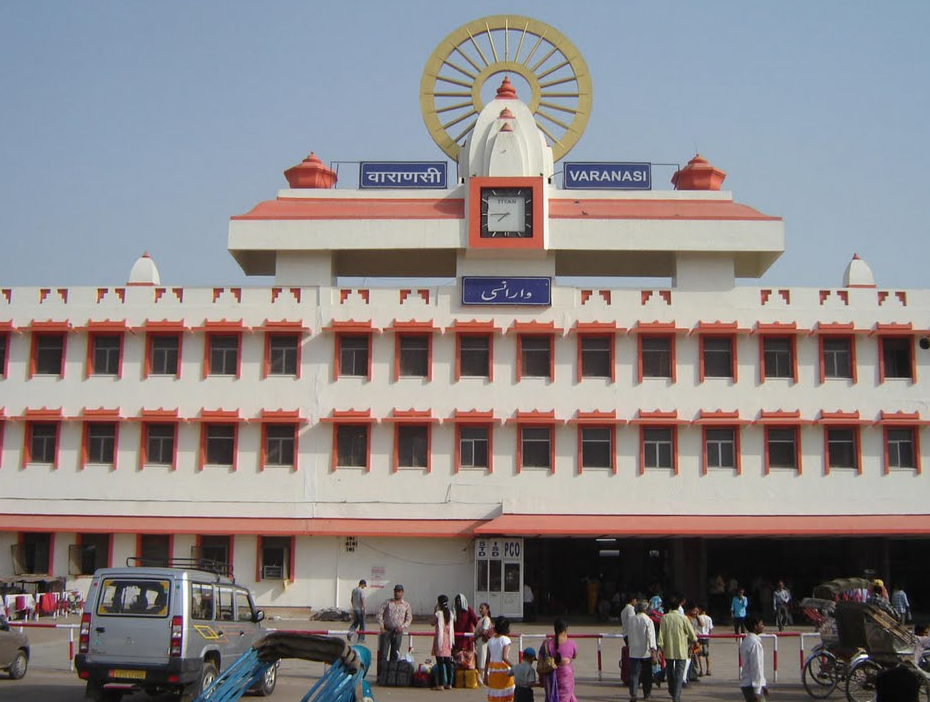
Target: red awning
column 266, row 526
column 705, row 525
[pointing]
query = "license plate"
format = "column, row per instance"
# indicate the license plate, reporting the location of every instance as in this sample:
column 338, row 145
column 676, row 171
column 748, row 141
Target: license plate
column 130, row 674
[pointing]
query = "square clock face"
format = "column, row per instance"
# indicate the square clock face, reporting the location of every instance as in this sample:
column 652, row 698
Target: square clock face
column 506, row 213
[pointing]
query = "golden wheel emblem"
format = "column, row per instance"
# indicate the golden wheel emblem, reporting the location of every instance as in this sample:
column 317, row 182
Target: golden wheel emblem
column 560, row 85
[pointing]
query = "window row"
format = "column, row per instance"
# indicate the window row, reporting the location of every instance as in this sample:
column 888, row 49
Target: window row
column 33, row 554
column 535, row 447
column 474, row 357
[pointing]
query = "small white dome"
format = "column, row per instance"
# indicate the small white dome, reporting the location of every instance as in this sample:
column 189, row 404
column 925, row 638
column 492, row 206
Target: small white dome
column 144, row 272
column 858, row 274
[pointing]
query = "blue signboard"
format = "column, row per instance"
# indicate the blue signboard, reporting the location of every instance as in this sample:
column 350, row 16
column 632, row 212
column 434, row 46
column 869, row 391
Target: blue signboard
column 514, row 290
column 402, row 174
column 607, row 176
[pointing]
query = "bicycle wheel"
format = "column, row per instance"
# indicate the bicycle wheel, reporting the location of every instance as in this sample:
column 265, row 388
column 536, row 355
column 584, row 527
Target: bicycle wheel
column 860, row 683
column 820, row 674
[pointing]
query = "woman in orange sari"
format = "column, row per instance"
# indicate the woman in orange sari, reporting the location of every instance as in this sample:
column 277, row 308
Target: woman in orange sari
column 498, row 673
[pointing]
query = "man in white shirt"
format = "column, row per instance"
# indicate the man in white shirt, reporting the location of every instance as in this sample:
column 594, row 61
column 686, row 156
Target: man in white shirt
column 629, row 611
column 752, row 675
column 641, row 638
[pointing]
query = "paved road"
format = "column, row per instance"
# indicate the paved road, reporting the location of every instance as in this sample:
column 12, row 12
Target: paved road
column 49, row 679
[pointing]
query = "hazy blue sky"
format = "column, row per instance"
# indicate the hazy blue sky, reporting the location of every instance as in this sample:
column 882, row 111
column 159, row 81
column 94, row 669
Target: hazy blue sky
column 143, row 126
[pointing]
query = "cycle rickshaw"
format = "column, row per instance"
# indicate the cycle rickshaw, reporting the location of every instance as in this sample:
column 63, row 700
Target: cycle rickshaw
column 867, row 640
column 342, row 682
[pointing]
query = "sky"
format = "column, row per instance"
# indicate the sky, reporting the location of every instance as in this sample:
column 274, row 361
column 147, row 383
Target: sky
column 130, row 127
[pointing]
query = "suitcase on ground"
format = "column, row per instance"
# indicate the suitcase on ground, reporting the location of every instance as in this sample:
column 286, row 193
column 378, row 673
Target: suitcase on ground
column 421, row 679
column 396, row 674
column 467, row 678
column 625, row 665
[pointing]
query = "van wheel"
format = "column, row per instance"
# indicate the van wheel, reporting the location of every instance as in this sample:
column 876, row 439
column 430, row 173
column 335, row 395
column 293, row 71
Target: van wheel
column 19, row 665
column 266, row 684
column 208, row 674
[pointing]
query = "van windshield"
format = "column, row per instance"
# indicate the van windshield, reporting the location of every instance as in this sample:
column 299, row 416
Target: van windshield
column 131, row 597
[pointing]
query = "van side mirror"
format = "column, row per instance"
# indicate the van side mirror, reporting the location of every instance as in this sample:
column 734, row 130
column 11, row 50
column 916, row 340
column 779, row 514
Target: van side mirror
column 259, row 615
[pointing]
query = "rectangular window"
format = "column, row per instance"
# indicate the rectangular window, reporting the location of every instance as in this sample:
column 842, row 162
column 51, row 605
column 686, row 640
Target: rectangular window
column 782, row 447
column 352, row 445
column 414, row 356
column 720, row 448
column 837, row 357
column 164, row 354
column 778, row 357
column 215, row 550
column 282, row 354
column 134, row 597
column 658, row 448
column 106, row 354
column 596, row 356
column 202, row 602
column 474, row 355
column 93, row 551
column 101, row 442
column 159, row 443
column 535, row 356
column 596, row 447
column 717, row 356
column 35, row 552
column 536, row 447
column 842, row 448
column 43, row 442
column 219, row 444
column 4, row 350
column 49, row 354
column 412, row 446
column 224, row 354
column 279, row 444
column 275, row 558
column 353, row 354
column 897, row 357
column 900, row 448
column 474, row 447
column 154, row 550
column 656, row 356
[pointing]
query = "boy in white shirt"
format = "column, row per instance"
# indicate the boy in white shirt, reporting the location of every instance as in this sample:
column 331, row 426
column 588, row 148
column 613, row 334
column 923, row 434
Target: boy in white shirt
column 703, row 629
column 752, row 675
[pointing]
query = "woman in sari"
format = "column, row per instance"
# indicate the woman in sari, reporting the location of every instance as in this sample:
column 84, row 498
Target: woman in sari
column 560, row 683
column 463, row 649
column 498, row 673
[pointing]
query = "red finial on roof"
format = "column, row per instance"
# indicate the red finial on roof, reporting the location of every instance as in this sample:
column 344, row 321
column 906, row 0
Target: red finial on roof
column 856, row 257
column 698, row 175
column 506, row 91
column 146, row 255
column 506, row 114
column 310, row 173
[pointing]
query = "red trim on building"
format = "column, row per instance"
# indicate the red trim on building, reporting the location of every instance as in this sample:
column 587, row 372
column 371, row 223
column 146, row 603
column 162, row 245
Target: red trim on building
column 351, row 327
column 519, row 364
column 582, row 423
column 475, row 185
column 734, row 364
column 781, row 417
column 901, row 419
column 881, row 354
column 836, row 328
column 355, row 208
column 48, row 326
column 473, row 327
column 282, row 326
column 719, row 417
column 713, row 423
column 118, row 326
column 282, row 332
column 705, row 525
column 413, row 326
column 597, row 417
column 857, row 442
column 671, row 425
column 897, row 329
column 534, row 417
column 268, row 526
column 791, row 336
column 915, row 438
column 718, row 327
column 411, row 416
column 840, row 417
column 350, row 417
column 595, row 328
column 723, row 210
column 157, row 417
column 163, row 326
column 533, row 327
column 657, row 417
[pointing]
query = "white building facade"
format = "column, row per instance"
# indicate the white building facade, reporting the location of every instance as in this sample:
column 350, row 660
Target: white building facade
column 462, row 437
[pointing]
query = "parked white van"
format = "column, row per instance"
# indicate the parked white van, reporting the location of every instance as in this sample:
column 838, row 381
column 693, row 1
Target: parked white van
column 164, row 629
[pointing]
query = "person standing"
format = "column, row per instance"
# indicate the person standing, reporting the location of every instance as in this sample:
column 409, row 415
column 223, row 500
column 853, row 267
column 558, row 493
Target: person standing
column 463, row 648
column 498, row 672
column 752, row 674
column 738, row 607
column 628, row 611
column 443, row 636
column 900, row 603
column 484, row 630
column 641, row 638
column 358, row 612
column 529, row 603
column 704, row 628
column 394, row 618
column 676, row 639
column 559, row 683
column 524, row 676
column 781, row 600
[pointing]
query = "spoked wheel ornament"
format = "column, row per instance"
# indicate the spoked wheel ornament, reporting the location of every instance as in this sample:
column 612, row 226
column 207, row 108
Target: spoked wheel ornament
column 492, row 47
